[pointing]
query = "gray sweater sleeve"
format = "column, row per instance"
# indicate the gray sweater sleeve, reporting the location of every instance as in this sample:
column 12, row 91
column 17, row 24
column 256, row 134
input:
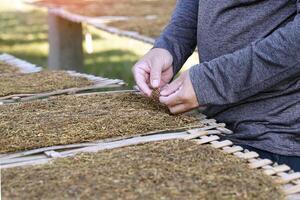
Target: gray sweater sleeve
column 246, row 72
column 180, row 36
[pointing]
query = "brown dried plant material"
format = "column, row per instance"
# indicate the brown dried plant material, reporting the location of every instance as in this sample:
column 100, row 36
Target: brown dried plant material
column 155, row 94
column 6, row 68
column 144, row 26
column 39, row 82
column 95, row 8
column 162, row 170
column 71, row 119
column 139, row 11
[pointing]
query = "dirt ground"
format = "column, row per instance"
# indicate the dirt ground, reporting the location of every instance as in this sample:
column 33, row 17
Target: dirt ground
column 162, row 170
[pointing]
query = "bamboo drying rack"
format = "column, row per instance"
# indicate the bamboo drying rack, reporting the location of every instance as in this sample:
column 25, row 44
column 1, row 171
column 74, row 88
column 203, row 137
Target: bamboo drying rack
column 212, row 134
column 26, row 67
column 98, row 22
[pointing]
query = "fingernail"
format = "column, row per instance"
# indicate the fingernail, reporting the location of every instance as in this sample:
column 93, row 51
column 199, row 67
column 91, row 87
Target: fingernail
column 155, row 83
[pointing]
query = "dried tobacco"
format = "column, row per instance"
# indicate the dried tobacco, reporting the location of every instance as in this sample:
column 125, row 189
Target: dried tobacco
column 144, row 26
column 38, row 82
column 6, row 68
column 155, row 94
column 71, row 119
column 162, row 170
column 146, row 17
column 96, row 8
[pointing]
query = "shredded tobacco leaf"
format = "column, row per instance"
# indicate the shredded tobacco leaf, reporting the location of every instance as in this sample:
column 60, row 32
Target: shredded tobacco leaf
column 144, row 26
column 138, row 11
column 155, row 94
column 6, row 68
column 112, row 7
column 39, row 82
column 70, row 119
column 161, row 170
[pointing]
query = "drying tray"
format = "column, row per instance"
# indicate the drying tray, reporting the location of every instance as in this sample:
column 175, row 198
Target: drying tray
column 98, row 22
column 26, row 67
column 212, row 133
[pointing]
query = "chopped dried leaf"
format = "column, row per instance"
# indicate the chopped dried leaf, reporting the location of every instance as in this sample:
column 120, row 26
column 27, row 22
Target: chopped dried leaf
column 71, row 119
column 147, row 17
column 38, row 82
column 155, row 94
column 144, row 26
column 6, row 68
column 112, row 7
column 162, row 170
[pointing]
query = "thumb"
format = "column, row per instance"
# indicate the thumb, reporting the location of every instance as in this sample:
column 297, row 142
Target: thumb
column 172, row 87
column 155, row 76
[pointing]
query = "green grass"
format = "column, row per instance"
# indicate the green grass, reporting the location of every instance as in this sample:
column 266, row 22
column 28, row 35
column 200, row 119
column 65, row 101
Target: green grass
column 24, row 34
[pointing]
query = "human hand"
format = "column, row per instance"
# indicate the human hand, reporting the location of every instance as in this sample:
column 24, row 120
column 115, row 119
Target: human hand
column 154, row 70
column 179, row 95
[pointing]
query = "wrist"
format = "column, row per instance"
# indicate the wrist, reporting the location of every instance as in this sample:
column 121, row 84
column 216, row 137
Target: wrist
column 200, row 90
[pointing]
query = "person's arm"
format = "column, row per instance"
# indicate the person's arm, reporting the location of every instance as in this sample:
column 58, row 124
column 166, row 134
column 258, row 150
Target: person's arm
column 246, row 72
column 180, row 35
column 171, row 49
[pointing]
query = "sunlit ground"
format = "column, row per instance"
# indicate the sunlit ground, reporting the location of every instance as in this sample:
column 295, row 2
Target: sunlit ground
column 24, row 34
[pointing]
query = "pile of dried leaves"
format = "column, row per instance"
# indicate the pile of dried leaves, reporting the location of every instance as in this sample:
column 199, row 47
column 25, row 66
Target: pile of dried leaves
column 38, row 82
column 71, row 119
column 138, row 11
column 6, row 68
column 143, row 26
column 96, row 8
column 162, row 170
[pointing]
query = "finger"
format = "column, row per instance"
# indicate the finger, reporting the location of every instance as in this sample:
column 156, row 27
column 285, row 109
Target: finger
column 155, row 74
column 144, row 88
column 172, row 87
column 172, row 99
column 139, row 91
column 179, row 108
column 140, row 77
column 166, row 76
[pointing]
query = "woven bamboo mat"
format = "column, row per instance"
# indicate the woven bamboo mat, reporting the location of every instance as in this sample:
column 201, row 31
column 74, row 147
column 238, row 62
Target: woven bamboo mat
column 209, row 135
column 173, row 169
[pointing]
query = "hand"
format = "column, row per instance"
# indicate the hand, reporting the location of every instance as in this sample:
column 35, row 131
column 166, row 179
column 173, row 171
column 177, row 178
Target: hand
column 154, row 70
column 179, row 95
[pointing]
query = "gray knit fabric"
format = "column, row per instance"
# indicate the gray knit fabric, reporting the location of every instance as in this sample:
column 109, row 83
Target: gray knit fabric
column 249, row 71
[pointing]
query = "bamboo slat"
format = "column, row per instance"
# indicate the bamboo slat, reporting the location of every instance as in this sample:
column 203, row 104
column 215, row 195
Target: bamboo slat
column 232, row 149
column 276, row 169
column 260, row 163
column 221, row 144
column 24, row 66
